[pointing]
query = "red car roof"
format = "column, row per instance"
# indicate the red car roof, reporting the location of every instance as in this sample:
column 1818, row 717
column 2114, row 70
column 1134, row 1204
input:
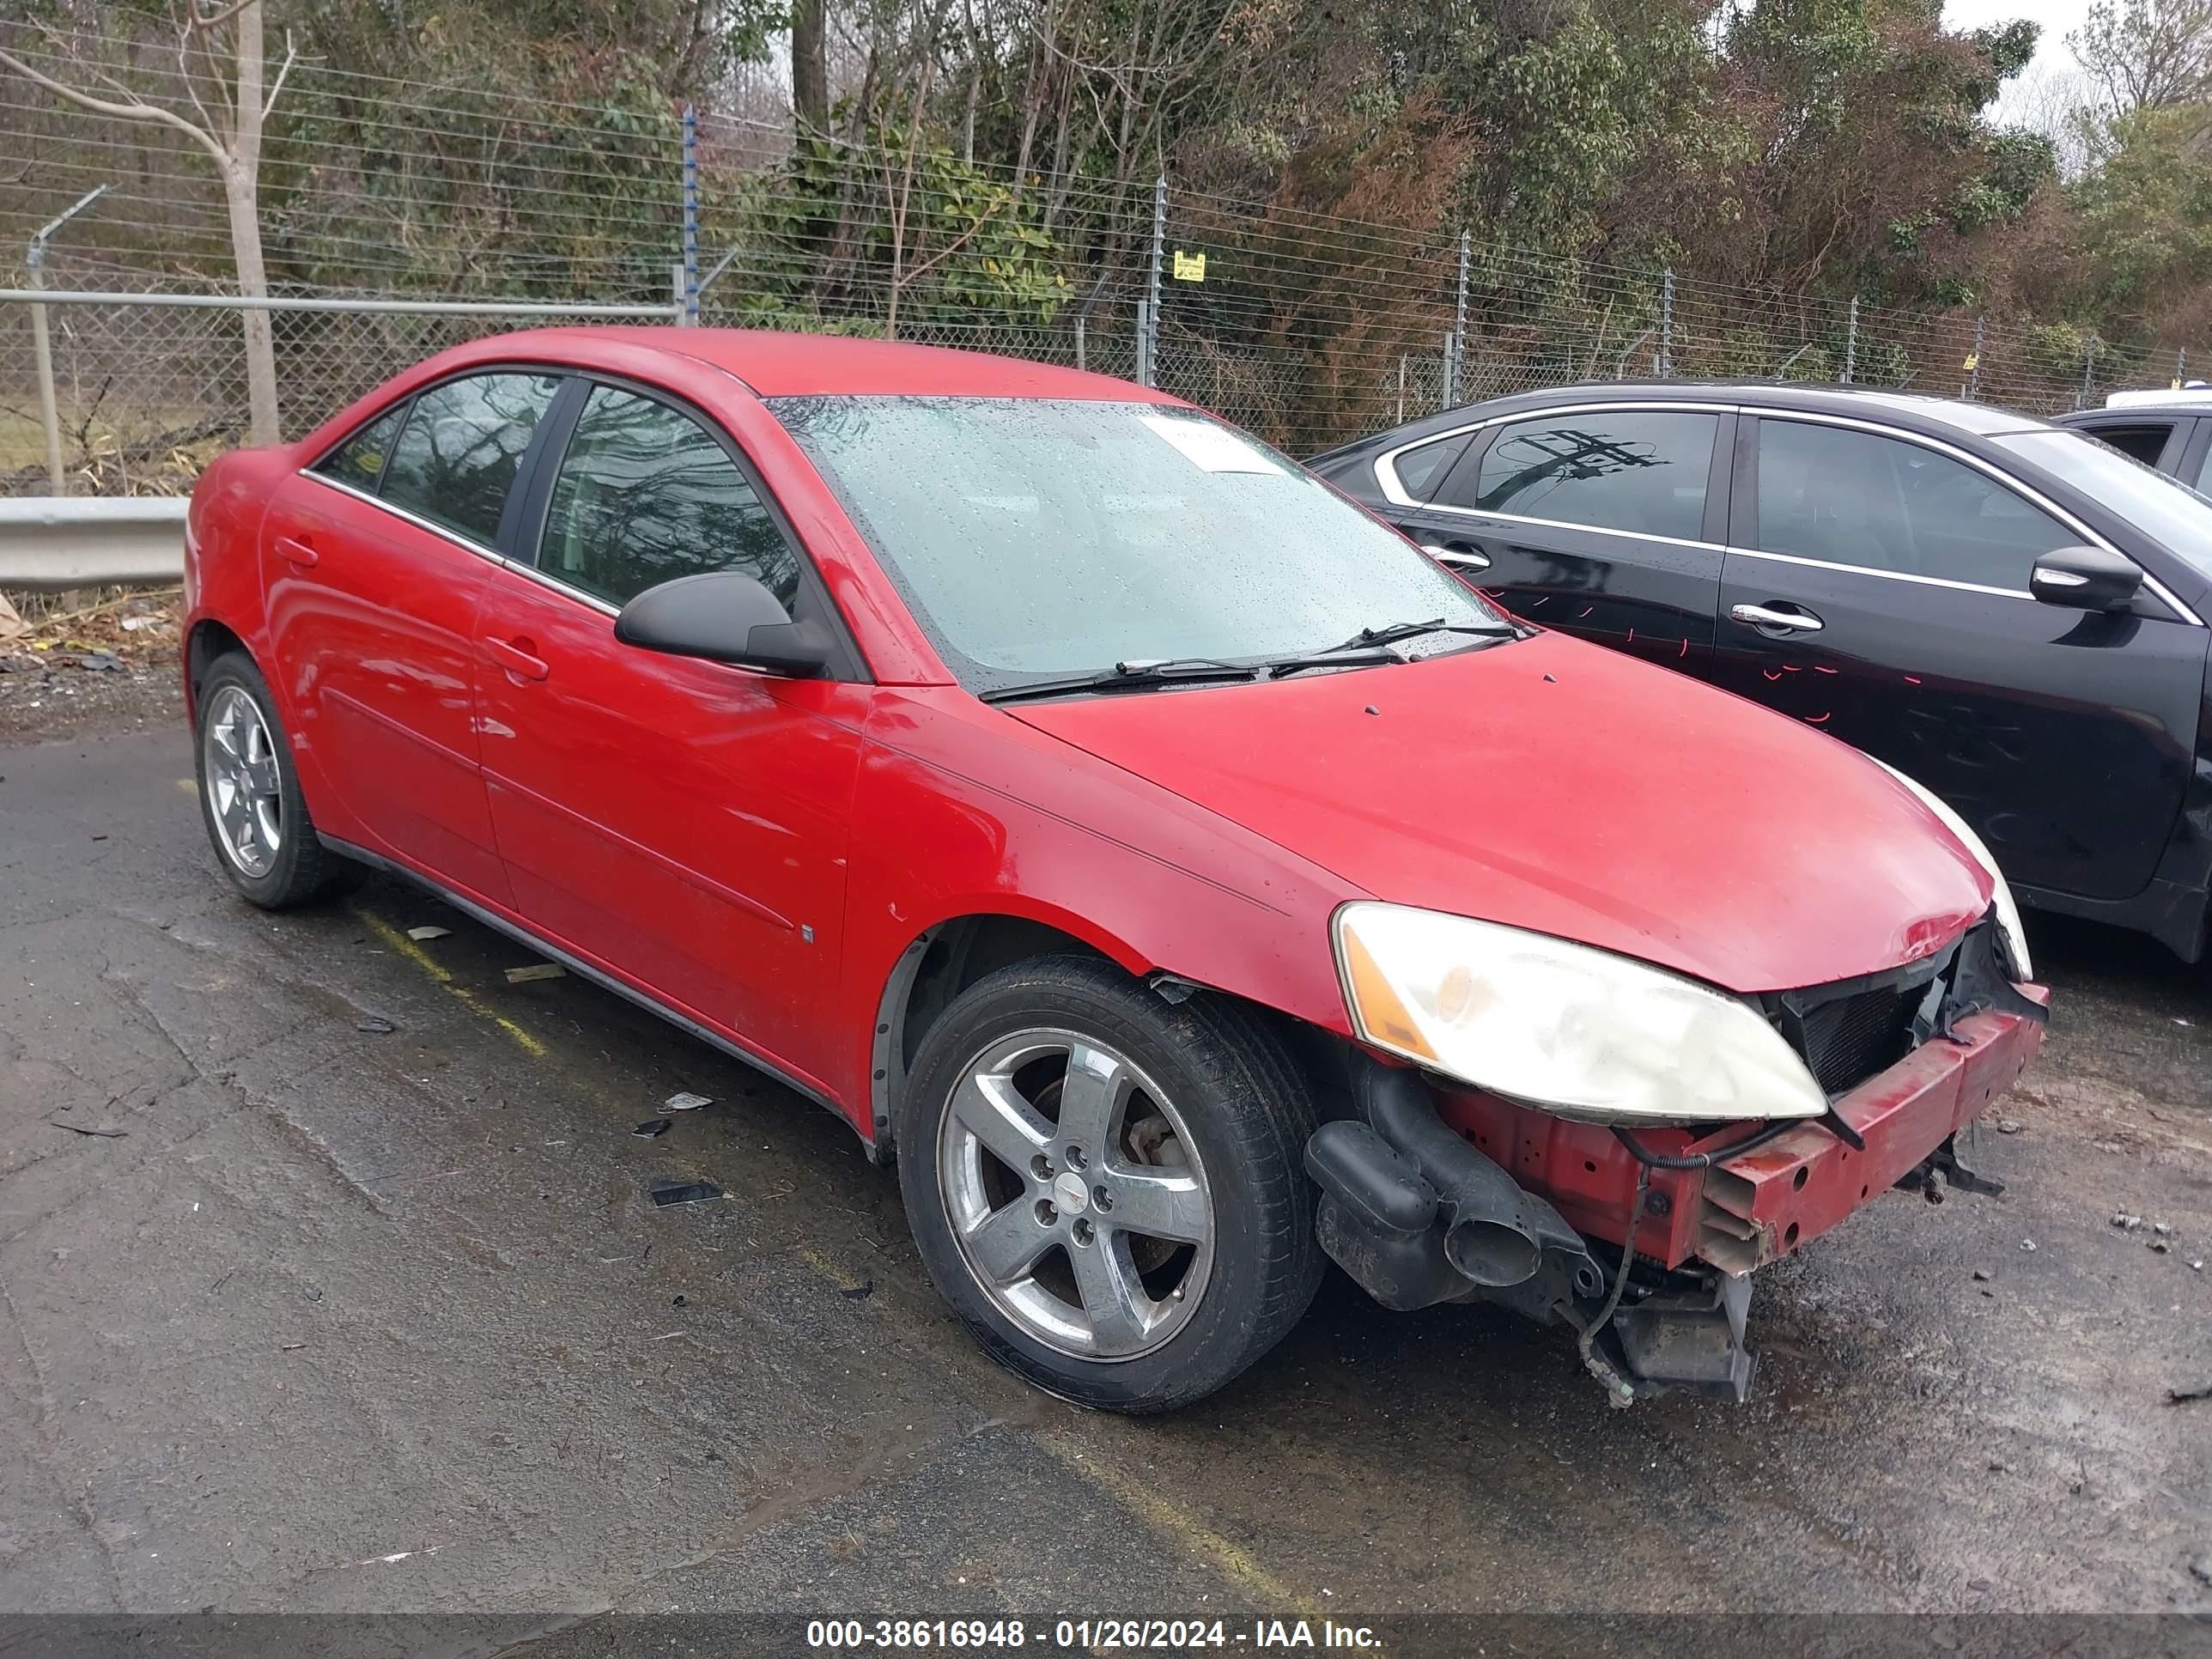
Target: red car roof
column 779, row 365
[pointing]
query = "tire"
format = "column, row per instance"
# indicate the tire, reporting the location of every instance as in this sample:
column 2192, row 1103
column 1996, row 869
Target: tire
column 1192, row 1118
column 256, row 820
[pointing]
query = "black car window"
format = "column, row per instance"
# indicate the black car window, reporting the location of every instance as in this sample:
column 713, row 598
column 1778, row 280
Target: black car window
column 456, row 458
column 1642, row 470
column 1422, row 468
column 359, row 460
column 646, row 495
column 2144, row 442
column 1857, row 498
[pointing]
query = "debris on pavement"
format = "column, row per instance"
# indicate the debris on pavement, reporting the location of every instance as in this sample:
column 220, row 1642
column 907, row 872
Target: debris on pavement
column 2009, row 1125
column 685, row 1100
column 423, row 935
column 1981, row 1273
column 535, row 970
column 2160, row 1245
column 374, row 1025
column 689, row 1192
column 96, row 1134
column 858, row 1292
column 2027, row 1244
column 2126, row 1223
column 654, row 1126
column 2195, row 1391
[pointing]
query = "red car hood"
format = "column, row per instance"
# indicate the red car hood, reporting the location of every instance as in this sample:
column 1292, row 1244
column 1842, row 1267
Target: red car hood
column 1568, row 789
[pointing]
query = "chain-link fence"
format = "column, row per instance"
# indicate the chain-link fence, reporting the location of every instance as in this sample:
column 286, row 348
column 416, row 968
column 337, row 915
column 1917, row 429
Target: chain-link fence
column 1309, row 329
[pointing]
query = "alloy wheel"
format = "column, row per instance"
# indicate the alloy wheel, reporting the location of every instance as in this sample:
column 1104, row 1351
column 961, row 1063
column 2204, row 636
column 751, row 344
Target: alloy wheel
column 1077, row 1194
column 244, row 784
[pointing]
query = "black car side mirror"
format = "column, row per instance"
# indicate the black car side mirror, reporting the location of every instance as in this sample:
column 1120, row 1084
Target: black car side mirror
column 2085, row 579
column 724, row 616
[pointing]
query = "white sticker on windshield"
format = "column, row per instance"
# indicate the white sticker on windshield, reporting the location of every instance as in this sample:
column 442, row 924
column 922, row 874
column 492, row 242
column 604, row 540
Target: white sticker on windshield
column 1211, row 447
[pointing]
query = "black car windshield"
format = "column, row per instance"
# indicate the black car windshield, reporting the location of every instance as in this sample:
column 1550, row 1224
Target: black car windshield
column 2172, row 514
column 1037, row 538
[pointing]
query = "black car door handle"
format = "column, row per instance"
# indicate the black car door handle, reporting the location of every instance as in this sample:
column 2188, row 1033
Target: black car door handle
column 1795, row 618
column 1459, row 557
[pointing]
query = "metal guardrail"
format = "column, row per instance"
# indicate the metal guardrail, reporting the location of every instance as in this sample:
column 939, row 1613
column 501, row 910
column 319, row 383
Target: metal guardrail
column 51, row 542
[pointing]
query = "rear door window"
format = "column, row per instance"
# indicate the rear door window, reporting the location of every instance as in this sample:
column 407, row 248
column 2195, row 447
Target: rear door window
column 1422, row 468
column 455, row 459
column 1643, row 470
column 2143, row 440
column 359, row 460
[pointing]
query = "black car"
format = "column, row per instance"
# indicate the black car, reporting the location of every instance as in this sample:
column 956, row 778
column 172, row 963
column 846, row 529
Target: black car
column 1998, row 607
column 2171, row 433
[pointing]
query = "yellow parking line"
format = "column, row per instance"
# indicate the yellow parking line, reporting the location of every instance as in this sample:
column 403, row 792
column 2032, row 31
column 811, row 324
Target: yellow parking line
column 1164, row 1514
column 399, row 941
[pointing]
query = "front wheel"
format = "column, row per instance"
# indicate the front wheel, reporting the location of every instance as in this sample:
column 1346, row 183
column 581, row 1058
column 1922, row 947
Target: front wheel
column 1107, row 1188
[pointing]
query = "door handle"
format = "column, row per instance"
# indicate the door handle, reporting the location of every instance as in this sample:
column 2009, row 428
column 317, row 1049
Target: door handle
column 1458, row 558
column 1761, row 615
column 297, row 553
column 518, row 657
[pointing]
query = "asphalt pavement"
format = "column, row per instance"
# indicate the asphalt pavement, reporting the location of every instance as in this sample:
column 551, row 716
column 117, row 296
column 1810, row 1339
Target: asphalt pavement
column 298, row 1316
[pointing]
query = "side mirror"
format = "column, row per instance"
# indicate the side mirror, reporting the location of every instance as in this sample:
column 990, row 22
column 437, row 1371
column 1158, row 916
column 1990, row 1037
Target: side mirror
column 724, row 616
column 2085, row 579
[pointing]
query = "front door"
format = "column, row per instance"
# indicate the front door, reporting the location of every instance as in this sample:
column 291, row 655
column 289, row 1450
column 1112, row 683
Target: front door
column 375, row 559
column 1879, row 591
column 679, row 822
column 1592, row 521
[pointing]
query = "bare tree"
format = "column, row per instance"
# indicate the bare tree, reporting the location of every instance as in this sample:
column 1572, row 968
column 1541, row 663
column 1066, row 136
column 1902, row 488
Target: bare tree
column 229, row 128
column 2147, row 54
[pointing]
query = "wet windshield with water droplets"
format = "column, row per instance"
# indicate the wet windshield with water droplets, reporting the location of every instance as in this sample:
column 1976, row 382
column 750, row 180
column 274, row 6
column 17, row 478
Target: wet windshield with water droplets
column 1038, row 537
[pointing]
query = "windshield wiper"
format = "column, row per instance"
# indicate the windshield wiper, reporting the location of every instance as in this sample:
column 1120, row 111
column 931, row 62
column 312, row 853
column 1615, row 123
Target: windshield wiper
column 1365, row 646
column 1391, row 633
column 1134, row 674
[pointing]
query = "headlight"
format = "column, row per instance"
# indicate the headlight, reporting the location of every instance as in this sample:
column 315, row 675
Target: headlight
column 2010, row 933
column 1581, row 1032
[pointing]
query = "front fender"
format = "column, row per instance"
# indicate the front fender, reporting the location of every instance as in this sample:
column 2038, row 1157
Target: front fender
column 961, row 811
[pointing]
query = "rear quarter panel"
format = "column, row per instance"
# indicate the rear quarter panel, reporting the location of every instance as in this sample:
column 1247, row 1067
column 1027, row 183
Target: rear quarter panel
column 222, row 553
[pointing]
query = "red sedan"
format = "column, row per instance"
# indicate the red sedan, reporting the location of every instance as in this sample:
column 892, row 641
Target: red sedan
column 1182, row 874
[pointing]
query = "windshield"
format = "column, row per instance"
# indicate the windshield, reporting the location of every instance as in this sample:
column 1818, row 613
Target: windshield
column 2174, row 515
column 1038, row 537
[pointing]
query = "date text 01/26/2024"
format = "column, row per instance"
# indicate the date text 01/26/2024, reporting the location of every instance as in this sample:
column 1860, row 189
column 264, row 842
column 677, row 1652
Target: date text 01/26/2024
column 1089, row 1635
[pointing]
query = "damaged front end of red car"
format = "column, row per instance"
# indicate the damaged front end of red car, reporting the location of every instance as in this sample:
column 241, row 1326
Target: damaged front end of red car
column 1643, row 1240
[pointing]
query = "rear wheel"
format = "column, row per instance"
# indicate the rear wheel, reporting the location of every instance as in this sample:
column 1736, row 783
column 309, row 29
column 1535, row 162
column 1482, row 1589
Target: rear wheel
column 249, row 795
column 1106, row 1187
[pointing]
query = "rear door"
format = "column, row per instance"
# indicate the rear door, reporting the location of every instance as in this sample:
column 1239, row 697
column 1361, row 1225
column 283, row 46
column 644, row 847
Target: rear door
column 1604, row 522
column 376, row 558
column 1878, row 589
column 681, row 823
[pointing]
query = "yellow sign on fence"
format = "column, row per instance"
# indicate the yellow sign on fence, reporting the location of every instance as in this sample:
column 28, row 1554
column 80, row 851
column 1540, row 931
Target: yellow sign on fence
column 1189, row 267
